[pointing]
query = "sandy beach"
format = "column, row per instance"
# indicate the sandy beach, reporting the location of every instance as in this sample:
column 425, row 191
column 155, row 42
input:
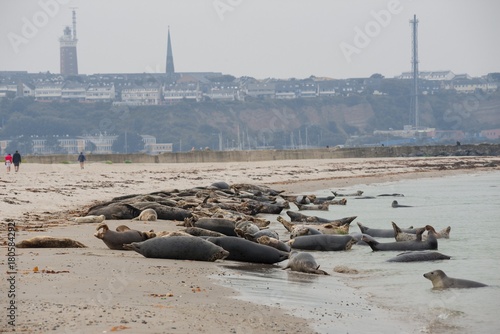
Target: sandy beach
column 98, row 290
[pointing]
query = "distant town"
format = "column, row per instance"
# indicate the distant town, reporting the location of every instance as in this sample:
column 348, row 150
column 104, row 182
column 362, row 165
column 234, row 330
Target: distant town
column 171, row 87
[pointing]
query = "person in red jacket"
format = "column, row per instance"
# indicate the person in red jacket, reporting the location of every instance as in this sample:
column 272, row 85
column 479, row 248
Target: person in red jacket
column 8, row 161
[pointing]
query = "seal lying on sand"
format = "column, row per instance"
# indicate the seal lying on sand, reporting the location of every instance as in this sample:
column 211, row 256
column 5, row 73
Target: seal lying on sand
column 357, row 193
column 414, row 256
column 179, row 248
column 49, row 242
column 147, row 215
column 303, row 262
column 90, row 219
column 273, row 242
column 247, row 251
column 123, row 235
column 441, row 281
column 325, row 228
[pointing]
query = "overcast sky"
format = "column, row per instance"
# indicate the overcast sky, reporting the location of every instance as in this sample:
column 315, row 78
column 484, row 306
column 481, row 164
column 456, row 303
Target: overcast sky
column 257, row 38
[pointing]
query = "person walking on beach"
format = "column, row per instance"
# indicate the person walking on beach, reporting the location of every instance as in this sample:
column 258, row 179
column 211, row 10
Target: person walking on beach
column 8, row 161
column 81, row 159
column 16, row 159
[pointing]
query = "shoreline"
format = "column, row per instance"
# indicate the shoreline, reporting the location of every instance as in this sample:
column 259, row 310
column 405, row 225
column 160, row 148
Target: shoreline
column 40, row 199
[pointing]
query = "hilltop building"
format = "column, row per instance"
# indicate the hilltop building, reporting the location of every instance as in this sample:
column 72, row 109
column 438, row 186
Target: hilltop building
column 68, row 57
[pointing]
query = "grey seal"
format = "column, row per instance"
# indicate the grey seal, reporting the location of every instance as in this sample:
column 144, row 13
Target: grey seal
column 122, row 235
column 430, row 243
column 247, row 251
column 303, row 262
column 441, row 281
column 179, row 248
column 414, row 256
column 323, row 242
column 382, row 233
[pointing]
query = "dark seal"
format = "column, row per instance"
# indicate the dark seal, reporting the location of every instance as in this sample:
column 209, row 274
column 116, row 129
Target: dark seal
column 179, row 248
column 247, row 251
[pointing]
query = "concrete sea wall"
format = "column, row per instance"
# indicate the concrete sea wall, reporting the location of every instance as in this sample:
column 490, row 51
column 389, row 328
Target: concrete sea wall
column 266, row 155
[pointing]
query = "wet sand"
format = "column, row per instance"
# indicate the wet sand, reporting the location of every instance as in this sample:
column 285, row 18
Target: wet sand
column 95, row 289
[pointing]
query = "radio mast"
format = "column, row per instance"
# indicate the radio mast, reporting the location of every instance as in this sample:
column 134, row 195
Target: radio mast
column 414, row 62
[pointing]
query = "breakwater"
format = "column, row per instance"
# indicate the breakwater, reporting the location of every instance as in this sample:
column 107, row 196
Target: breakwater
column 266, row 155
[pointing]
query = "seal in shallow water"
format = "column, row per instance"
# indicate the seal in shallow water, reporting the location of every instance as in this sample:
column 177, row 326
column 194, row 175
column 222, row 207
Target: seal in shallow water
column 430, row 243
column 382, row 233
column 414, row 256
column 323, row 242
column 303, row 262
column 179, row 248
column 441, row 281
column 395, row 204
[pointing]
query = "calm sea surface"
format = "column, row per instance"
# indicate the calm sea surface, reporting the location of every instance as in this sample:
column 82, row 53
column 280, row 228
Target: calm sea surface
column 394, row 297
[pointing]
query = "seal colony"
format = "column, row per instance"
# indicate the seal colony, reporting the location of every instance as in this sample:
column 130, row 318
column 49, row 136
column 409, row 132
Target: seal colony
column 222, row 223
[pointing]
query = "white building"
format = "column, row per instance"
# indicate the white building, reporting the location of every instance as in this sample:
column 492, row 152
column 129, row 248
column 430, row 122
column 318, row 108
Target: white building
column 48, row 91
column 73, row 91
column 142, row 95
column 100, row 93
column 183, row 91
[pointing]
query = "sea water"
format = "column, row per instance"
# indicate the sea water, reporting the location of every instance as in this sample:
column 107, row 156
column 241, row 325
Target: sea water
column 383, row 296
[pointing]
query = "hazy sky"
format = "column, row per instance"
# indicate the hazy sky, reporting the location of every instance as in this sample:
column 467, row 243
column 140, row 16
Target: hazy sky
column 258, row 38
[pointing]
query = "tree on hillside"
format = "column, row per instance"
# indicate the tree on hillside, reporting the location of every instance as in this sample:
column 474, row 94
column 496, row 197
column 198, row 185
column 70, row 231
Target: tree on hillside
column 128, row 142
column 22, row 144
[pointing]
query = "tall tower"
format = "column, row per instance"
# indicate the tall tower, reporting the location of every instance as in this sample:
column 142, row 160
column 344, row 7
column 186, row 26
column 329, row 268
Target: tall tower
column 414, row 62
column 170, row 58
column 68, row 58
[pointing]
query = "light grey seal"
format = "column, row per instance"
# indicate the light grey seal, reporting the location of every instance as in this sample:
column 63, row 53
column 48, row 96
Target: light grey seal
column 90, row 219
column 303, row 262
column 441, row 281
column 147, row 215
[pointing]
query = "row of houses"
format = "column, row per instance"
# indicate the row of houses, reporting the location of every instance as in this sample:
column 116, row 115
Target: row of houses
column 435, row 134
column 148, row 89
column 101, row 144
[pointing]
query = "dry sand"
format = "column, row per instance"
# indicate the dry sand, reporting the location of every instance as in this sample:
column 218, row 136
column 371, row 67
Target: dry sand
column 97, row 290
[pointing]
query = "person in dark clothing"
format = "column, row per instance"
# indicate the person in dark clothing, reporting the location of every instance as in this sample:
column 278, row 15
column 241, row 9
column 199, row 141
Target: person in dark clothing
column 16, row 160
column 81, row 159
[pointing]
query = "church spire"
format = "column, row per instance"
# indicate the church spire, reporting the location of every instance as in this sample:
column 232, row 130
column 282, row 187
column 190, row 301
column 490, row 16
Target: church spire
column 170, row 58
